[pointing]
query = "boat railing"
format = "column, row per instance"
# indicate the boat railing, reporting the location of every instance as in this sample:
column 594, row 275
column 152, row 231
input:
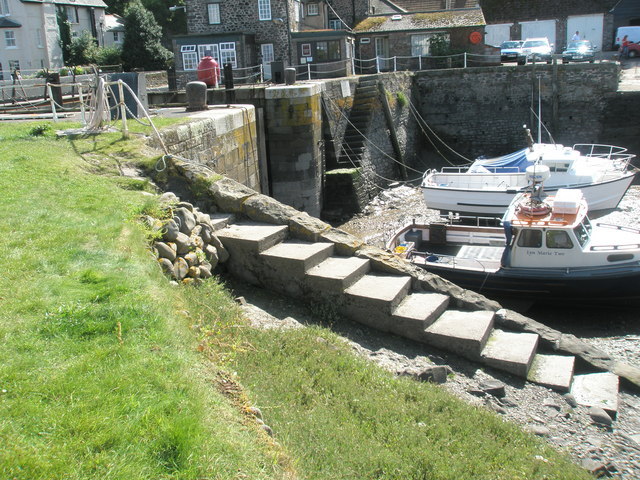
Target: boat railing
column 488, row 168
column 618, row 155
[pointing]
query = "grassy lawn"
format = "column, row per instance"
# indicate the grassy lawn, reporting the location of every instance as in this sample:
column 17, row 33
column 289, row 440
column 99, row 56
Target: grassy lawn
column 107, row 371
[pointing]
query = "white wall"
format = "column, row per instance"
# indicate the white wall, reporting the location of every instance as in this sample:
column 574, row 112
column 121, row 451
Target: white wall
column 590, row 27
column 540, row 28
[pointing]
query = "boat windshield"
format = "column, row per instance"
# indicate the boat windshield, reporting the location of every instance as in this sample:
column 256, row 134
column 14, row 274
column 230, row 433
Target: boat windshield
column 583, row 231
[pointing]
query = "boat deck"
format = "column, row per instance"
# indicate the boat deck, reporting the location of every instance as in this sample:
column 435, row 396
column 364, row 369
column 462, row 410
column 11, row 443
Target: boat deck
column 469, row 257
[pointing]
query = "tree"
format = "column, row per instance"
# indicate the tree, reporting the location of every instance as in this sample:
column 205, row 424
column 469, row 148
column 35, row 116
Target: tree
column 65, row 34
column 83, row 50
column 142, row 46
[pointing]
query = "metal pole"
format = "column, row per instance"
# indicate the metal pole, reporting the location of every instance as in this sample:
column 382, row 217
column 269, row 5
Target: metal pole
column 353, row 65
column 123, row 111
column 377, row 64
column 465, row 59
column 261, row 73
column 308, row 71
column 81, row 98
column 395, row 65
column 53, row 103
column 419, row 62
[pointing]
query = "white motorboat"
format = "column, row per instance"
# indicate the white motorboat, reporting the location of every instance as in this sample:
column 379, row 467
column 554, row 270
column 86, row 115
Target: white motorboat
column 547, row 249
column 486, row 187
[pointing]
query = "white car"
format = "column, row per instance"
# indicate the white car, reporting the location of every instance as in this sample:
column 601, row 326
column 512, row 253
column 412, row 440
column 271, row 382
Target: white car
column 536, row 50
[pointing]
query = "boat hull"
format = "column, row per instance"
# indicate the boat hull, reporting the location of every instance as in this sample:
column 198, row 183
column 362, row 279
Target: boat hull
column 600, row 196
column 616, row 286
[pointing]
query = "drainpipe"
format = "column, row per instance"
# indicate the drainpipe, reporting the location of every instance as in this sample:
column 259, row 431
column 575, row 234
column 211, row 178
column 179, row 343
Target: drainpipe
column 288, row 27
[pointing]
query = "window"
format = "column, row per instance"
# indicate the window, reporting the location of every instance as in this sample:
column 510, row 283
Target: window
column 190, row 60
column 116, row 37
column 335, row 24
column 306, row 49
column 4, row 8
column 267, row 52
column 72, row 13
column 187, row 48
column 214, row 13
column 14, row 65
column 312, row 9
column 558, row 239
column 530, row 238
column 209, row 50
column 10, row 39
column 328, row 50
column 228, row 54
column 421, row 44
column 264, row 9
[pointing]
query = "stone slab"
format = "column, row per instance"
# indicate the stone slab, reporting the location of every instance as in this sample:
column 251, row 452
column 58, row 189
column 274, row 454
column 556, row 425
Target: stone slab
column 553, row 371
column 461, row 332
column 251, row 237
column 372, row 298
column 335, row 274
column 510, row 352
column 221, row 220
column 597, row 389
column 292, row 258
column 416, row 312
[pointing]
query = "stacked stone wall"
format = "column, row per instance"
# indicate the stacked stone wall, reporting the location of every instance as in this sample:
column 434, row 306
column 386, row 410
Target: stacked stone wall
column 482, row 110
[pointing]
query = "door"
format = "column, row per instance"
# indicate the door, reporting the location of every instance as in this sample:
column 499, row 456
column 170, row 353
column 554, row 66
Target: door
column 498, row 33
column 590, row 27
column 382, row 53
column 540, row 28
column 266, row 49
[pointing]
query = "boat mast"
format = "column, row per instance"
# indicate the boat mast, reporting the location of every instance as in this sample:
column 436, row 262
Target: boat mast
column 539, row 112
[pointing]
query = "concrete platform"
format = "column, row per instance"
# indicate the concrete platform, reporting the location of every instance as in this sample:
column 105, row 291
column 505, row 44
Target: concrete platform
column 372, row 298
column 553, row 371
column 464, row 333
column 241, row 238
column 335, row 274
column 511, row 352
column 597, row 389
column 416, row 312
column 221, row 220
column 292, row 258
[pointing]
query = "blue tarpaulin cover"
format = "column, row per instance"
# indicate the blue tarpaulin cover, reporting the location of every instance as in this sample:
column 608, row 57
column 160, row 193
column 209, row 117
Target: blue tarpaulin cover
column 512, row 162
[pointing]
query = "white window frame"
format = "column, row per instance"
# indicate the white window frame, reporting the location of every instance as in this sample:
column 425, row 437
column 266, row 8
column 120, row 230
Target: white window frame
column 268, row 54
column 264, row 10
column 190, row 61
column 305, row 49
column 213, row 12
column 228, row 54
column 187, row 48
column 10, row 40
column 420, row 45
column 4, row 8
column 116, row 37
column 14, row 65
column 335, row 24
column 313, row 9
column 213, row 47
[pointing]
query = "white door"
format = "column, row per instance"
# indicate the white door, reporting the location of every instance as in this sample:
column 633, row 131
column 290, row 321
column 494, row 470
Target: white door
column 266, row 49
column 498, row 33
column 540, row 28
column 589, row 26
column 382, row 52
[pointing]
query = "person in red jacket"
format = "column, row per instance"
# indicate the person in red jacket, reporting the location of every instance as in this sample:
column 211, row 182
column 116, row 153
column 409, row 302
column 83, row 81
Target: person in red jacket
column 624, row 47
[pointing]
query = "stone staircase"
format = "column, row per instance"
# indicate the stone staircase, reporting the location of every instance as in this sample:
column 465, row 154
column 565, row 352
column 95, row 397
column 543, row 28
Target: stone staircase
column 266, row 255
column 353, row 145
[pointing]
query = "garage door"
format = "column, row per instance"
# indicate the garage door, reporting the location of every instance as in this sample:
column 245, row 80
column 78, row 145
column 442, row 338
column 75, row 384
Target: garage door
column 589, row 26
column 540, row 28
column 498, row 33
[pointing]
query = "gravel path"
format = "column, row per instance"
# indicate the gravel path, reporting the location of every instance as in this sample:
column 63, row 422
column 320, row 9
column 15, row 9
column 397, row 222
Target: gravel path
column 610, row 451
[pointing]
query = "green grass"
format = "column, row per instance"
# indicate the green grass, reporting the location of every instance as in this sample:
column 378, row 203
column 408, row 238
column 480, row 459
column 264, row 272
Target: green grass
column 101, row 372
column 112, row 373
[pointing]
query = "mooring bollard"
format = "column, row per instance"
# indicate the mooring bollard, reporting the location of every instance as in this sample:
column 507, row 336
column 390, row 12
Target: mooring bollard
column 196, row 96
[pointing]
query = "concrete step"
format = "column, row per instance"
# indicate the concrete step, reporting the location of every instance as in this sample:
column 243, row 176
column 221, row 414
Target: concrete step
column 295, row 257
column 464, row 333
column 252, row 238
column 221, row 220
column 510, row 352
column 335, row 274
column 597, row 389
column 372, row 298
column 416, row 312
column 553, row 371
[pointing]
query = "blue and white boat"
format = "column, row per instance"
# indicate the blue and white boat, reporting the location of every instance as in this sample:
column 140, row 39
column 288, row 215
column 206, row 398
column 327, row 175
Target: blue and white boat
column 547, row 250
column 603, row 172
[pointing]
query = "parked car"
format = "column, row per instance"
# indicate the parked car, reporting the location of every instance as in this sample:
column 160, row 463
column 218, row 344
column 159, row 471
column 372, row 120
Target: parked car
column 510, row 50
column 580, row 51
column 633, row 50
column 536, row 50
